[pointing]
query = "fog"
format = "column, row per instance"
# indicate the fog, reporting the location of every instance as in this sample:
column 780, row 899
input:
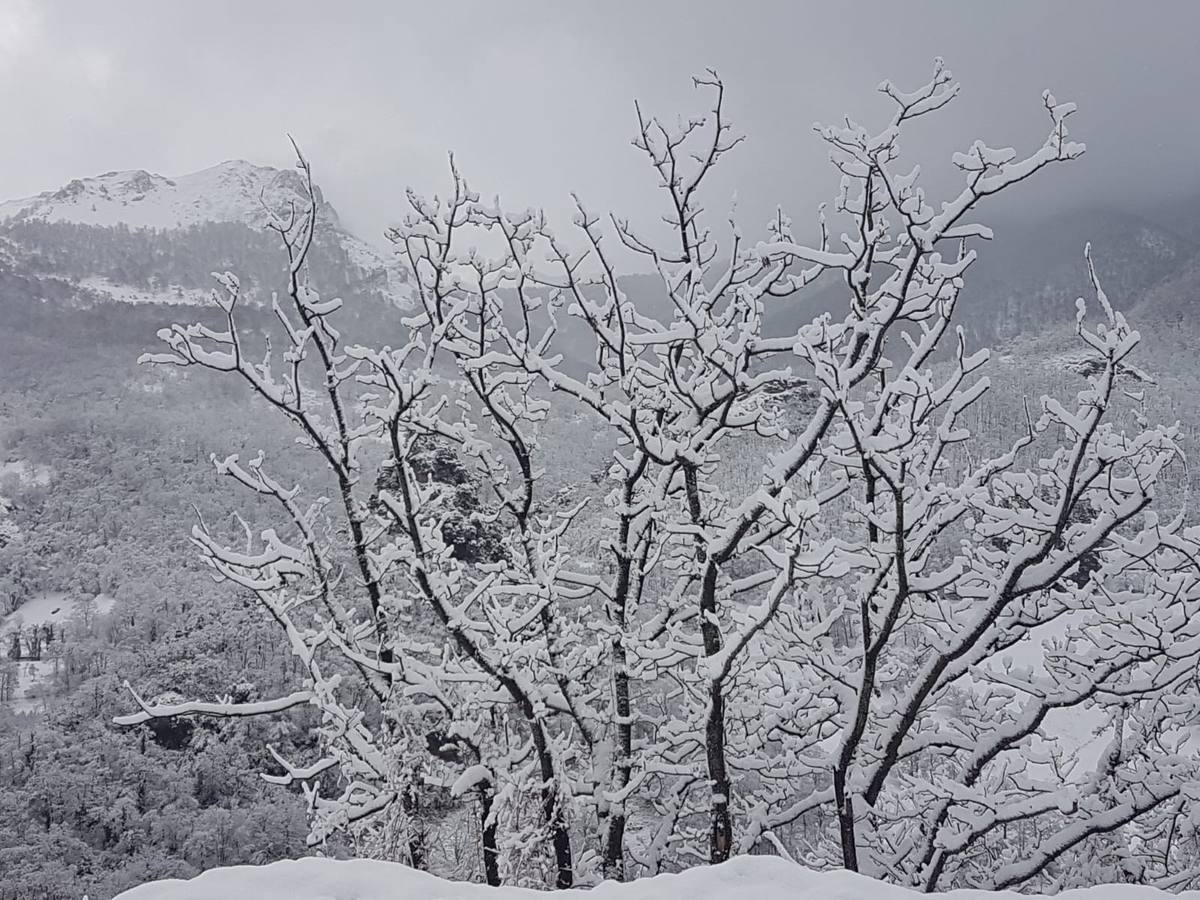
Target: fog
column 536, row 100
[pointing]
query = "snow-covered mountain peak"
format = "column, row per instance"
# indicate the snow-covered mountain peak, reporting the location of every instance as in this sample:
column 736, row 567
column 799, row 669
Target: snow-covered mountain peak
column 232, row 191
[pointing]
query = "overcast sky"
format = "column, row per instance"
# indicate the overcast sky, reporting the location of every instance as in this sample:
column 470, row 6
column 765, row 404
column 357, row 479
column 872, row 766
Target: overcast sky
column 536, row 99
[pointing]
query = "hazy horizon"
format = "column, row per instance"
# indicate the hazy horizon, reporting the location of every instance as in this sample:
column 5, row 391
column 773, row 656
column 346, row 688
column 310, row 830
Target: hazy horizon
column 536, row 100
column 852, row 555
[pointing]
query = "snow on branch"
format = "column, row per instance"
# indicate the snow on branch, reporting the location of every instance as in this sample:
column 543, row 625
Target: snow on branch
column 800, row 606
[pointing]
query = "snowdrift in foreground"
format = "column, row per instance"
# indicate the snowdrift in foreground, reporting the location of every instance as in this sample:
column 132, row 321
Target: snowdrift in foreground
column 744, row 878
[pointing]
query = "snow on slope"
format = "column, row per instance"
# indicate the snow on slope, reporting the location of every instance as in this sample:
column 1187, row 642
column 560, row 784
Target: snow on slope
column 9, row 531
column 233, row 191
column 53, row 608
column 27, row 473
column 743, row 878
column 172, row 295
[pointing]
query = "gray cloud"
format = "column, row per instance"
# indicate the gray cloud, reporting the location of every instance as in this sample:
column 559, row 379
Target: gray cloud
column 536, row 98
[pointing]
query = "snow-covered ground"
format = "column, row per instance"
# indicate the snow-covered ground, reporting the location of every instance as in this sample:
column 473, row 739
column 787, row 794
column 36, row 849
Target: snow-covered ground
column 744, row 878
column 124, row 293
column 50, row 608
column 26, row 473
column 232, row 191
column 1081, row 731
column 45, row 609
column 30, row 674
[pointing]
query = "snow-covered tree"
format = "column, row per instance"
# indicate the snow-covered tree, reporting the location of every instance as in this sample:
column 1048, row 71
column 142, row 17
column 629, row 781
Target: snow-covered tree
column 846, row 636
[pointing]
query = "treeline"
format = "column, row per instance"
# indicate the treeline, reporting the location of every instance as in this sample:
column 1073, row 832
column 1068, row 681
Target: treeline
column 157, row 259
column 86, row 807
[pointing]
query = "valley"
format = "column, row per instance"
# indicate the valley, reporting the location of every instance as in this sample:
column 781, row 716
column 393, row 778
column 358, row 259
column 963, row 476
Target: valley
column 54, row 616
column 104, row 470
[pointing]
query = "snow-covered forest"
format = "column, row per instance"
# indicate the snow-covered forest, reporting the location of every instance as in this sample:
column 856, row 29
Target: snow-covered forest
column 563, row 549
column 807, row 629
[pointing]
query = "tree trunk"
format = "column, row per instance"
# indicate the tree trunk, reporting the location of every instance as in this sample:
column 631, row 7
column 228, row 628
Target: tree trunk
column 614, row 837
column 491, row 854
column 845, row 814
column 721, row 835
column 560, row 838
column 410, row 803
column 721, row 838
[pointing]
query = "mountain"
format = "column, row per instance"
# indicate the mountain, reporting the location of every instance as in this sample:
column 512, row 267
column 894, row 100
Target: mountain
column 143, row 238
column 233, row 191
column 138, row 237
column 103, row 473
column 1027, row 280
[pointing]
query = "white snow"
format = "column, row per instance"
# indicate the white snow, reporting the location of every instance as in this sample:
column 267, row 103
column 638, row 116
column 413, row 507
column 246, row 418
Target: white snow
column 30, row 673
column 27, row 473
column 742, row 878
column 50, row 608
column 1076, row 730
column 232, row 191
column 54, row 607
column 470, row 778
column 172, row 294
column 9, row 531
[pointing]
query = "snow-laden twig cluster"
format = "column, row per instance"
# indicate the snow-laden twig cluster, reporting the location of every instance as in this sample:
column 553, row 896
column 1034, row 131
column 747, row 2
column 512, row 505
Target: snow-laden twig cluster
column 822, row 658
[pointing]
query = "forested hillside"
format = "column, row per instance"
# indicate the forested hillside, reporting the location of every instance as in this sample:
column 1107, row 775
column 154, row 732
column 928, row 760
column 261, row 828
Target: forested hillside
column 105, row 469
column 86, row 806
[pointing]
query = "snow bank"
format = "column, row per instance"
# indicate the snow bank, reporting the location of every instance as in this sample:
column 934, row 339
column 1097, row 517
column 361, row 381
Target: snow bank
column 745, row 878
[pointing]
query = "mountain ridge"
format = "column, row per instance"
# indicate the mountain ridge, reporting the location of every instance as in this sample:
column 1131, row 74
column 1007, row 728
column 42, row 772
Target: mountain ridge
column 1025, row 282
column 233, row 193
column 234, row 190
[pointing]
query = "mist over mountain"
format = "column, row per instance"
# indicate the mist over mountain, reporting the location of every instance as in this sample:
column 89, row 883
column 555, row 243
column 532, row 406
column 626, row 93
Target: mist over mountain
column 136, row 237
column 100, row 458
column 670, row 450
column 231, row 191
